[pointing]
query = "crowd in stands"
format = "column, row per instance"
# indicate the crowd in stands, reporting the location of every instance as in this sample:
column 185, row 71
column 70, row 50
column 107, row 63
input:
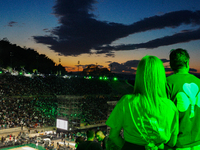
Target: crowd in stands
column 11, row 140
column 63, row 137
column 25, row 111
column 94, row 109
column 32, row 101
column 25, row 86
column 23, row 138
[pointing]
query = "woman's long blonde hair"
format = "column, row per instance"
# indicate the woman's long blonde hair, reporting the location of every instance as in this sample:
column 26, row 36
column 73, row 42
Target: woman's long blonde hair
column 150, row 83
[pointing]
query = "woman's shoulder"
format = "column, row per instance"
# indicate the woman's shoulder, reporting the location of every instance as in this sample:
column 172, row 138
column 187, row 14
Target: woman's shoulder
column 126, row 97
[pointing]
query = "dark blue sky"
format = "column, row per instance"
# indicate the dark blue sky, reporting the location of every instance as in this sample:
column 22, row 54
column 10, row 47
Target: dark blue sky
column 103, row 32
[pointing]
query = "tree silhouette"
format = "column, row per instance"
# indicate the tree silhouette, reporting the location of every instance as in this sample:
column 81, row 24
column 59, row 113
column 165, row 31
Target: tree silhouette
column 17, row 57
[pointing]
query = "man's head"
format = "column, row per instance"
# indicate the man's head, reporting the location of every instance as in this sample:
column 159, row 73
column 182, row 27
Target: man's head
column 179, row 59
column 78, row 141
column 100, row 136
column 90, row 134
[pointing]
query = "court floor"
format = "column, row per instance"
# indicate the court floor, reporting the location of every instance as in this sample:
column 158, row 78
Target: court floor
column 25, row 147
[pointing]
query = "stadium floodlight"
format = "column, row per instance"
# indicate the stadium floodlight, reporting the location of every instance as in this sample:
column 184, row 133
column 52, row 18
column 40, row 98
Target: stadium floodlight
column 115, row 79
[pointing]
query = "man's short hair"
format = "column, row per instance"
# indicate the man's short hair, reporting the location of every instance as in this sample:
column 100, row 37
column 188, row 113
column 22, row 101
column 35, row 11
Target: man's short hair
column 178, row 58
column 79, row 140
column 98, row 131
column 90, row 133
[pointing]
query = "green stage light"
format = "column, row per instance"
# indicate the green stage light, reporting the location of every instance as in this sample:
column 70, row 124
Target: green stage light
column 100, row 78
column 105, row 78
column 89, row 77
column 115, row 79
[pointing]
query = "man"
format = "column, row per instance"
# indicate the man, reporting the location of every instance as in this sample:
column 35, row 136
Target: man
column 183, row 90
column 21, row 124
column 105, row 141
column 102, row 139
column 68, row 147
column 36, row 145
column 90, row 144
column 79, row 140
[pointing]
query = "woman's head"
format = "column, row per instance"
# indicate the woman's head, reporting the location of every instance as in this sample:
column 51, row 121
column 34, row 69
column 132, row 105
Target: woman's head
column 150, row 79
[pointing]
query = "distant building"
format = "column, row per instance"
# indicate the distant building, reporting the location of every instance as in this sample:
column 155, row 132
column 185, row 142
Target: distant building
column 95, row 70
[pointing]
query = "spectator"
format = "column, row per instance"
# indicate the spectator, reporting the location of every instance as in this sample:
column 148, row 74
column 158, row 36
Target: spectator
column 68, row 147
column 36, row 144
column 89, row 144
column 101, row 138
column 78, row 141
column 183, row 90
column 110, row 145
column 145, row 114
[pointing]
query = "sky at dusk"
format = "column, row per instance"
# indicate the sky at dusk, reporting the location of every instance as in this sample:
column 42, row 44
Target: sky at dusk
column 115, row 33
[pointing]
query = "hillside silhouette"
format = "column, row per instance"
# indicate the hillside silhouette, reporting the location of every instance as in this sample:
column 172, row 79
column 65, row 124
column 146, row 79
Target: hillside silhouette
column 28, row 59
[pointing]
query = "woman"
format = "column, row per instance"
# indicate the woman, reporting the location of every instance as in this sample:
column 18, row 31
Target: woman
column 149, row 120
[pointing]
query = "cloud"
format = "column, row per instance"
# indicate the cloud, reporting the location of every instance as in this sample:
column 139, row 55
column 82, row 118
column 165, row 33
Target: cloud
column 111, row 54
column 69, row 69
column 164, row 60
column 80, row 31
column 164, row 41
column 86, row 65
column 12, row 23
column 168, row 69
column 47, row 30
column 130, row 67
column 192, row 70
column 183, row 31
column 108, row 62
column 127, row 67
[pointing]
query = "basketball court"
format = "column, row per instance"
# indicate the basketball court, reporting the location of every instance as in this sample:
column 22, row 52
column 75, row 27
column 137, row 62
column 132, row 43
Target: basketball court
column 24, row 147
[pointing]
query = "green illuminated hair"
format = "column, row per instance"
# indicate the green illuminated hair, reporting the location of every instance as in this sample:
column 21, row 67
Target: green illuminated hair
column 178, row 58
column 150, row 83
